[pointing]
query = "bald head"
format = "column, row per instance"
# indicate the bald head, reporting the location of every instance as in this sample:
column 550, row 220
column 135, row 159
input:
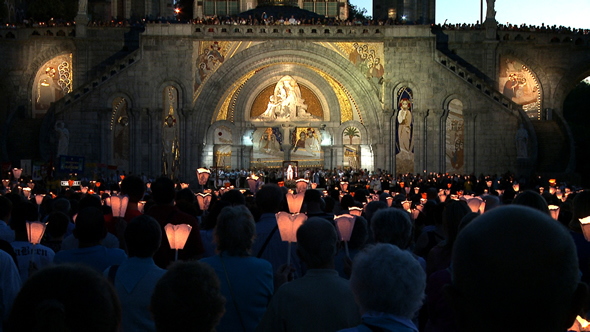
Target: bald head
column 515, row 267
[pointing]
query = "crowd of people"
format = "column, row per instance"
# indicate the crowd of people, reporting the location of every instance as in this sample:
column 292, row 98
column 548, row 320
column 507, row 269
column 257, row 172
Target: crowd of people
column 270, row 20
column 427, row 252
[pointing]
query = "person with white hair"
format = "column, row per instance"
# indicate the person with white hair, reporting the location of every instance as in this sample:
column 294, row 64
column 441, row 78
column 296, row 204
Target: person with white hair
column 388, row 286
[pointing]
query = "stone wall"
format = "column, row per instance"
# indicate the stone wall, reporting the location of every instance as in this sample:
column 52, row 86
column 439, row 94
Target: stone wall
column 105, row 68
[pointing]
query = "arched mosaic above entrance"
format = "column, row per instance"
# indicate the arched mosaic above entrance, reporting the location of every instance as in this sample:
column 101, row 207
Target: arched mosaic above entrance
column 286, row 101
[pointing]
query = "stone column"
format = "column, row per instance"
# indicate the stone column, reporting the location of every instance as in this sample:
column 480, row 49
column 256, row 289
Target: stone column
column 82, row 19
column 286, row 142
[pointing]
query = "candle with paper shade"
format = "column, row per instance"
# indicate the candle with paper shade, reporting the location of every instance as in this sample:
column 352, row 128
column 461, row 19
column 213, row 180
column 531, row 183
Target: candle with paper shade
column 183, row 185
column 35, row 231
column 516, row 187
column 16, row 172
column 204, row 201
column 253, row 183
column 585, row 223
column 27, row 192
column 118, row 204
column 288, row 225
column 442, row 196
column 301, row 185
column 415, row 213
column 407, row 205
column 141, row 206
column 559, row 195
column 389, row 201
column 345, row 224
column 541, row 190
column 554, row 210
column 5, row 183
column 552, row 190
column 177, row 236
column 355, row 211
column 203, row 175
column 295, row 201
column 39, row 198
column 344, row 186
column 474, row 203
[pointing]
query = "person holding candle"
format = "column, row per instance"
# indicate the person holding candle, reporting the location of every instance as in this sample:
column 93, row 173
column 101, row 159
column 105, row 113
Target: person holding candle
column 165, row 212
column 27, row 259
column 90, row 230
column 136, row 278
column 246, row 281
column 320, row 300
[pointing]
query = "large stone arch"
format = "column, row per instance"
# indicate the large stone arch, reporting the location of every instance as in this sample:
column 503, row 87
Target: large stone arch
column 568, row 82
column 299, row 53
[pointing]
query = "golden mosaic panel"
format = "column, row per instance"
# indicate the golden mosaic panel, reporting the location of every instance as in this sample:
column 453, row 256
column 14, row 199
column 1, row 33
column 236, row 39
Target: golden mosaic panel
column 313, row 103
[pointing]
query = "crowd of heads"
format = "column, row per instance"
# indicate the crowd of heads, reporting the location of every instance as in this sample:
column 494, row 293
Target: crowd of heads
column 510, row 259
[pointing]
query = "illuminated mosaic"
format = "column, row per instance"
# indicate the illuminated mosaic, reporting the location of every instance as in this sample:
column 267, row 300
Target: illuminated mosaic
column 454, row 138
column 518, row 82
column 286, row 100
column 52, row 82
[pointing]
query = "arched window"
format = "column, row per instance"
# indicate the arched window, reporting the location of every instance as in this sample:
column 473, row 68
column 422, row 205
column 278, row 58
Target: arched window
column 52, row 81
column 454, row 138
column 120, row 133
column 404, row 144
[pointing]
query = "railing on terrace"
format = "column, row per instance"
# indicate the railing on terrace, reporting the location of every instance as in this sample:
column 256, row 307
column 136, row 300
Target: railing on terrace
column 532, row 37
column 287, row 31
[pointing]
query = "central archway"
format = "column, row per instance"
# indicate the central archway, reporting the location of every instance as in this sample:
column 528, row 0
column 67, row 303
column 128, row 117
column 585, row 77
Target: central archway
column 336, row 83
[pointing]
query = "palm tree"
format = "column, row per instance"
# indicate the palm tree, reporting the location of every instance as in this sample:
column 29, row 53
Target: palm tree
column 351, row 132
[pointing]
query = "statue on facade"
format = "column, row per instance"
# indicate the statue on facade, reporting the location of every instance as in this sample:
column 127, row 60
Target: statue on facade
column 522, row 140
column 170, row 145
column 491, row 12
column 82, row 6
column 404, row 119
column 63, row 138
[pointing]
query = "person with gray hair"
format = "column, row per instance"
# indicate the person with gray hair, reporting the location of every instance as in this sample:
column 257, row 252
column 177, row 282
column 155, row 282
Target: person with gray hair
column 246, row 281
column 320, row 300
column 388, row 285
column 515, row 269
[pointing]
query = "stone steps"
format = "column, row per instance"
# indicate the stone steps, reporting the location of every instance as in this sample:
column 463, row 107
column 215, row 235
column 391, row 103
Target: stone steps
column 552, row 146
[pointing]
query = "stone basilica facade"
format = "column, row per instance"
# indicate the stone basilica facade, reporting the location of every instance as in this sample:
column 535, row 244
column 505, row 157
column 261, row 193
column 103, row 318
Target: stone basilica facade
column 170, row 98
